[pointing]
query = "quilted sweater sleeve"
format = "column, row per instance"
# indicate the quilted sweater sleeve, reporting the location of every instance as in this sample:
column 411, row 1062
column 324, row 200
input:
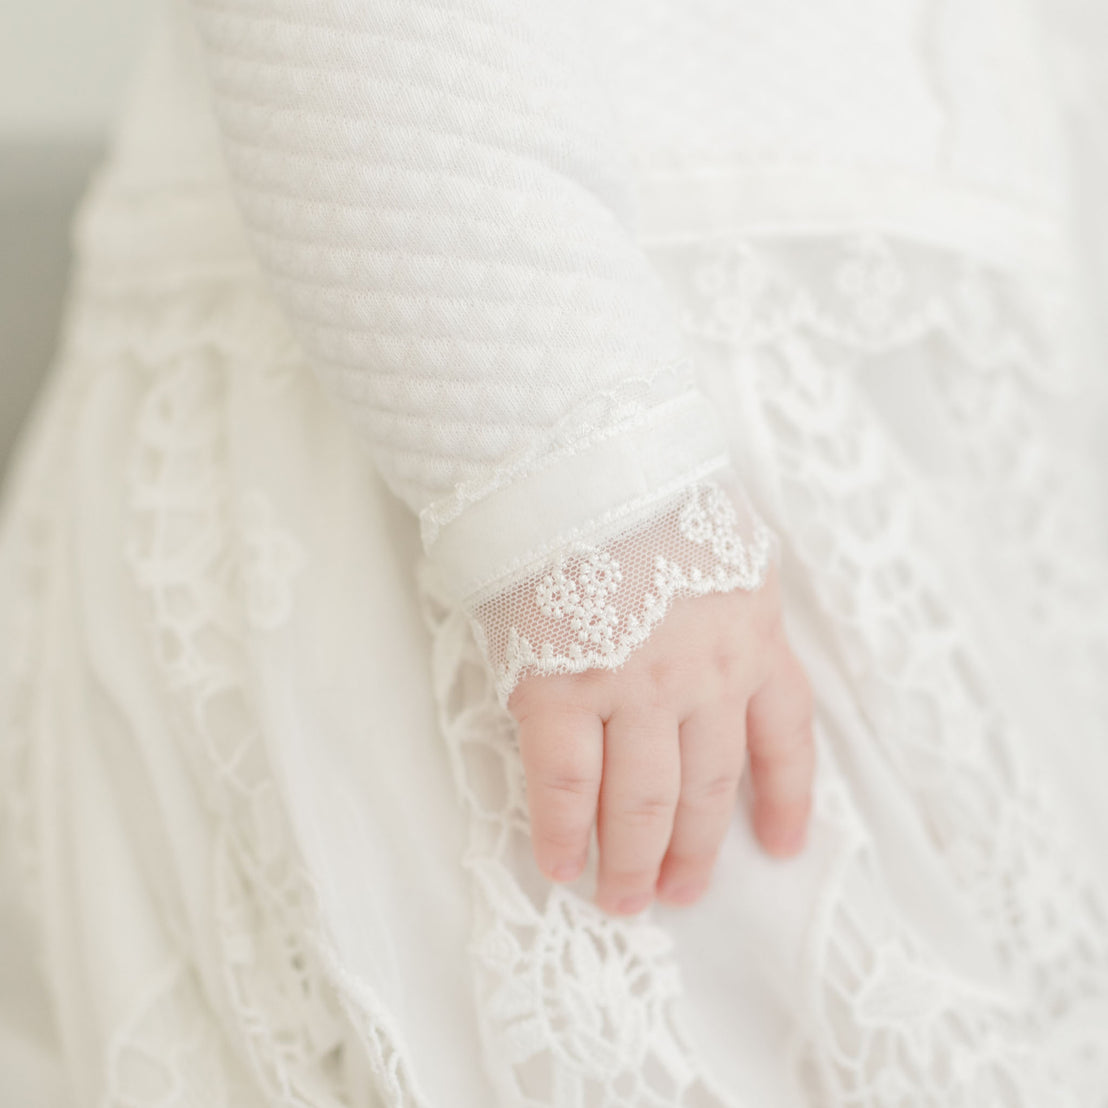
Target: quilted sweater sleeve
column 436, row 193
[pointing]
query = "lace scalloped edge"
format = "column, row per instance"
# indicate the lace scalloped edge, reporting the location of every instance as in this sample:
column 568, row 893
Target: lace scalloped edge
column 574, row 593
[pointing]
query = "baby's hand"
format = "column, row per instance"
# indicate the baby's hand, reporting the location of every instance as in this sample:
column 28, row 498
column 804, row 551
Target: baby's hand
column 654, row 751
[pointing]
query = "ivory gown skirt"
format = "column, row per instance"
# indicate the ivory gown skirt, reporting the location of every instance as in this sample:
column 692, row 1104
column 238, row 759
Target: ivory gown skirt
column 267, row 824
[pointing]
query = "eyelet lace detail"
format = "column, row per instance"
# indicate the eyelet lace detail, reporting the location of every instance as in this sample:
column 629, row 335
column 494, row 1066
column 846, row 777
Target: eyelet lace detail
column 868, row 294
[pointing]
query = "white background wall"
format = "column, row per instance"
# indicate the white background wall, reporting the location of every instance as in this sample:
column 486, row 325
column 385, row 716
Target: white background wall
column 64, row 66
column 64, row 63
column 64, row 69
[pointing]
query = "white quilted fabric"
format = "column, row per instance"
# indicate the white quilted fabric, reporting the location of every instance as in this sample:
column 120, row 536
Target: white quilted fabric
column 439, row 197
column 441, row 212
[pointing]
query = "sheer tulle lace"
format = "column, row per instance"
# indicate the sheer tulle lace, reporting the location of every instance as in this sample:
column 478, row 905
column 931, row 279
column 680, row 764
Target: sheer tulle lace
column 601, row 598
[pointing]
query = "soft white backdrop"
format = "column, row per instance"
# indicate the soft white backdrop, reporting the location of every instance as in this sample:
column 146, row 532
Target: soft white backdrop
column 64, row 64
column 64, row 68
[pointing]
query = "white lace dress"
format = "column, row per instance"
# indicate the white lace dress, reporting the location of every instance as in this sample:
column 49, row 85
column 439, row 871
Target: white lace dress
column 415, row 346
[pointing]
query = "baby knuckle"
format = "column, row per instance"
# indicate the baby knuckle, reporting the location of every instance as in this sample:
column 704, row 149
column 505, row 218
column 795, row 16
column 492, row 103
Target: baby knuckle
column 728, row 658
column 662, row 678
column 712, row 790
column 569, row 781
column 647, row 809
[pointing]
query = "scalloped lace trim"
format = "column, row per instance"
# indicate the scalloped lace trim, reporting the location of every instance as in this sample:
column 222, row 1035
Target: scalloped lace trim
column 596, row 602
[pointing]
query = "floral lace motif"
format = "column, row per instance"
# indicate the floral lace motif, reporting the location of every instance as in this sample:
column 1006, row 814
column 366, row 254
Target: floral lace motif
column 864, row 294
column 596, row 603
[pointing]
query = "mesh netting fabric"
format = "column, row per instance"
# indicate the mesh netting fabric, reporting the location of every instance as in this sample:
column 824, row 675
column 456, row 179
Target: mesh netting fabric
column 592, row 604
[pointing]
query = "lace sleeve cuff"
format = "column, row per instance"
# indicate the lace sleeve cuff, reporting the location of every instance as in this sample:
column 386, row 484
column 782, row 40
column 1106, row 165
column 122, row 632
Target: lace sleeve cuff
column 568, row 565
column 593, row 603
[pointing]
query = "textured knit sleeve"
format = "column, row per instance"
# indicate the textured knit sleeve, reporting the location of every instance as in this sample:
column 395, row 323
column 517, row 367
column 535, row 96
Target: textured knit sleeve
column 436, row 192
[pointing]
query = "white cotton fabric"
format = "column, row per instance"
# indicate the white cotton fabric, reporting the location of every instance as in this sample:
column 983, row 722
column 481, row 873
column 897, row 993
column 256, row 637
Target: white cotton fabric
column 264, row 815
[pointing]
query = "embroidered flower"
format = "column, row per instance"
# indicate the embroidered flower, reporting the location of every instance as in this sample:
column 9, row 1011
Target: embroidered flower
column 557, row 595
column 596, row 626
column 599, row 576
column 695, row 522
column 727, row 548
column 586, row 610
column 582, row 595
column 709, row 518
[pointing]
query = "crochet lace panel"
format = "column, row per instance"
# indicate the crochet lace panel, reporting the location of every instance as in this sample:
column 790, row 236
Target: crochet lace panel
column 819, row 324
